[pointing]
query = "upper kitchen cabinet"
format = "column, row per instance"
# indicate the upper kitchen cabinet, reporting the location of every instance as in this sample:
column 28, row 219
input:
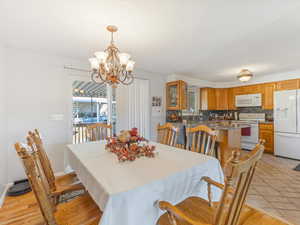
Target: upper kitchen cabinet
column 208, row 99
column 221, row 98
column 251, row 89
column 193, row 101
column 176, row 95
column 287, row 85
column 268, row 94
column 239, row 90
column 231, row 98
column 254, row 89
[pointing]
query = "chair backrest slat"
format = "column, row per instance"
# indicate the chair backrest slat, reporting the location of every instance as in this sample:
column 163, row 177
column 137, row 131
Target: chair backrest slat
column 35, row 142
column 198, row 140
column 239, row 179
column 193, row 142
column 205, row 143
column 204, row 135
column 167, row 134
column 208, row 146
column 99, row 131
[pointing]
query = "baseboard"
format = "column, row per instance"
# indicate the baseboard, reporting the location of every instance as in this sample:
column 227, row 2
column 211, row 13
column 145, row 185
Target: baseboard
column 2, row 195
column 284, row 157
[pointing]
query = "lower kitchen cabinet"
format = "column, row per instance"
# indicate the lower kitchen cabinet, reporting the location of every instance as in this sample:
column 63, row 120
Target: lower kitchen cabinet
column 266, row 132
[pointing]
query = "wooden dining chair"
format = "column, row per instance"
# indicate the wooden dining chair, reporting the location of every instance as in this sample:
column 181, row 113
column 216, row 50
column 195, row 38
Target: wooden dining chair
column 99, row 131
column 202, row 139
column 60, row 184
column 81, row 210
column 167, row 134
column 231, row 209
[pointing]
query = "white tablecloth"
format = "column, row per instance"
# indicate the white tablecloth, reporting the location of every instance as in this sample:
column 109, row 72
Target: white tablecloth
column 127, row 192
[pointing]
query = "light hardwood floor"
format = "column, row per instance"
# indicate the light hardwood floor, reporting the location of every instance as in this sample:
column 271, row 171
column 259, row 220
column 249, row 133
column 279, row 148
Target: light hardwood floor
column 275, row 189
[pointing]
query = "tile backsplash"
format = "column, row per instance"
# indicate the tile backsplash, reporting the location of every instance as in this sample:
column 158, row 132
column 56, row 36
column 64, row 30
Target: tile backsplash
column 204, row 114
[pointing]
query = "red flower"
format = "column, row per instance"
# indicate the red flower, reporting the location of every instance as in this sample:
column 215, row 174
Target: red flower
column 134, row 132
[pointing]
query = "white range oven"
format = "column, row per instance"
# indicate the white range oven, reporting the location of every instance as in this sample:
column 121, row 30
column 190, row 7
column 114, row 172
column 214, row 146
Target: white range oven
column 250, row 137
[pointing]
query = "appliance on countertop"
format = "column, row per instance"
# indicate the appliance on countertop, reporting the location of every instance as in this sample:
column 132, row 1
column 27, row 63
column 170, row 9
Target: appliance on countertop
column 287, row 123
column 250, row 139
column 251, row 100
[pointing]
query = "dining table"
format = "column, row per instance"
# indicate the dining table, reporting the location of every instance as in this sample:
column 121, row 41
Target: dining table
column 128, row 192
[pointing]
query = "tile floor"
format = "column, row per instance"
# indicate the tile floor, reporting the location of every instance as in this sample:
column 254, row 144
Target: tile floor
column 276, row 188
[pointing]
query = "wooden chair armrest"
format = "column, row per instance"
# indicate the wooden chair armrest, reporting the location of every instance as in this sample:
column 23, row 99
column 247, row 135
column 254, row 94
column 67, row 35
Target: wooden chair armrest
column 174, row 211
column 215, row 183
column 67, row 189
column 66, row 176
column 55, row 195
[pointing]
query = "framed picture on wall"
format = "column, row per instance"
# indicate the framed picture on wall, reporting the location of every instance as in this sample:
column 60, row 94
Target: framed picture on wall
column 156, row 101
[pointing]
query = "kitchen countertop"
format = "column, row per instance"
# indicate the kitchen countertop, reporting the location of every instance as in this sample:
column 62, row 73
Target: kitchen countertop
column 217, row 125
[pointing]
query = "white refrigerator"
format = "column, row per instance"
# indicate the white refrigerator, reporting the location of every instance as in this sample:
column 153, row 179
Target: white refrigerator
column 287, row 123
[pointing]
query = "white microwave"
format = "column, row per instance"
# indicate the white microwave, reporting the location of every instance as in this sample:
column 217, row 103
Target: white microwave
column 248, row 100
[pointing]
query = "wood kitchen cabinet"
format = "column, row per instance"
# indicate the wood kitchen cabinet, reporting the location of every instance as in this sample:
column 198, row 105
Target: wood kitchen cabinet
column 253, row 89
column 268, row 95
column 221, row 98
column 208, row 99
column 214, row 98
column 239, row 90
column 176, row 95
column 231, row 98
column 266, row 132
column 287, row 85
column 250, row 89
column 224, row 98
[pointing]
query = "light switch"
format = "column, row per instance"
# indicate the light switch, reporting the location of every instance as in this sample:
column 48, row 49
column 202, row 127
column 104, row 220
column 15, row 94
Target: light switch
column 57, row 117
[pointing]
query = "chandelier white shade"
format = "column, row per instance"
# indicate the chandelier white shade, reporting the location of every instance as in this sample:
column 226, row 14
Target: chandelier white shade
column 245, row 75
column 124, row 58
column 111, row 66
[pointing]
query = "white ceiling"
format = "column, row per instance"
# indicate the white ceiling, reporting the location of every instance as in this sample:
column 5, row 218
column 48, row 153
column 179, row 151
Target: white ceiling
column 211, row 40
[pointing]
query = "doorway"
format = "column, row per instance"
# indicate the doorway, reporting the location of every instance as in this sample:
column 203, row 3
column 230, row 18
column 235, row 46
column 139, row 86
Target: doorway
column 91, row 103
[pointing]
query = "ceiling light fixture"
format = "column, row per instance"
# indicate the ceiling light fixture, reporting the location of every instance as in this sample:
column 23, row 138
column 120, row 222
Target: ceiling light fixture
column 112, row 66
column 245, row 75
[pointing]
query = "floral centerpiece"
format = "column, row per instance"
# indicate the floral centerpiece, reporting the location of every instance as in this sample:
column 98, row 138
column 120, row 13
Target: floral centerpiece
column 129, row 146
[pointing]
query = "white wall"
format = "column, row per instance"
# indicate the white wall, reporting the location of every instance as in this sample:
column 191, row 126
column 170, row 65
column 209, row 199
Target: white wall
column 38, row 87
column 157, row 88
column 3, row 139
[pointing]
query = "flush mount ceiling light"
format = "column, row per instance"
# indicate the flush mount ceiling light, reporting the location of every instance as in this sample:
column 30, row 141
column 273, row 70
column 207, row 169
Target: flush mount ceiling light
column 112, row 66
column 245, row 75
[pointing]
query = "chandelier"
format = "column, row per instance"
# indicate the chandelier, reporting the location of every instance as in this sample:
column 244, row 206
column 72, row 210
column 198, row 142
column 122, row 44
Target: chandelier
column 245, row 75
column 112, row 66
